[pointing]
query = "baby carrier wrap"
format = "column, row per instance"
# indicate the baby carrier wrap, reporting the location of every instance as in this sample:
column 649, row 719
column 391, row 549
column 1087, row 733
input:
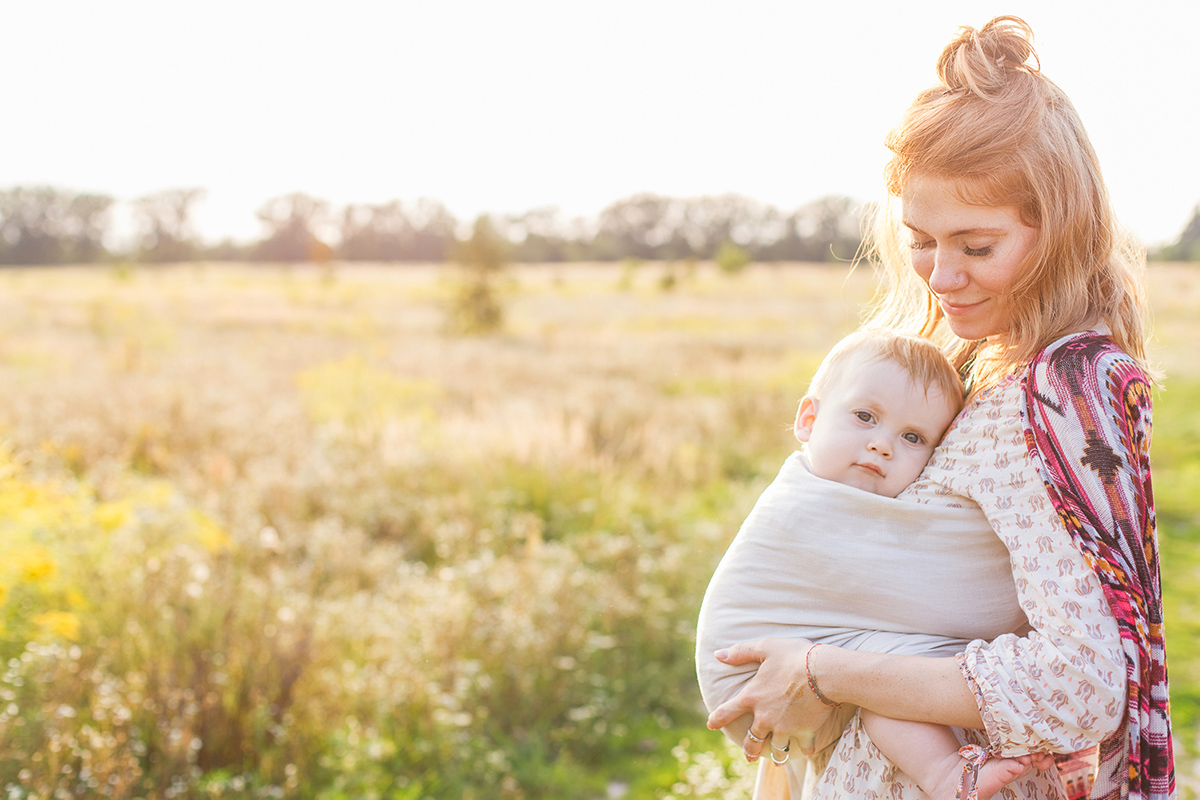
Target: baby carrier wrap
column 841, row 566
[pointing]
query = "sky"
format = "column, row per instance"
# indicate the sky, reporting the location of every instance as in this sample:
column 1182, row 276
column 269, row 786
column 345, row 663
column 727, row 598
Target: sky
column 503, row 107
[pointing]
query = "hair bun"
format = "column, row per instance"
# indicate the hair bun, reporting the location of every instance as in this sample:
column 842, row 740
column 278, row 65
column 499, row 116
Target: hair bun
column 981, row 61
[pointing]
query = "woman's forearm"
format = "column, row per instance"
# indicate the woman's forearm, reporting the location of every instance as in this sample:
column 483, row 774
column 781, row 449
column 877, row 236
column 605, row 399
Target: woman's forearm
column 901, row 687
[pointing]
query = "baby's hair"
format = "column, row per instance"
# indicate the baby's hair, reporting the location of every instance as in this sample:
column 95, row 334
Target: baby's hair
column 923, row 360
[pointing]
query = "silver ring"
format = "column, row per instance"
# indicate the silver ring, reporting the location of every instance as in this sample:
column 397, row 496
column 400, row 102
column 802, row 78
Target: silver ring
column 751, row 755
column 786, row 756
column 754, row 738
column 781, row 749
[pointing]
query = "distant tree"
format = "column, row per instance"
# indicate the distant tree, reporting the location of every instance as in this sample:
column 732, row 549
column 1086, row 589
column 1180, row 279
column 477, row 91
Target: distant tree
column 839, row 227
column 225, row 250
column 395, row 231
column 475, row 306
column 374, row 232
column 1187, row 246
column 709, row 222
column 86, row 226
column 44, row 225
column 434, row 228
column 291, row 224
column 164, row 221
column 791, row 242
column 635, row 227
column 31, row 221
column 649, row 226
column 542, row 235
column 826, row 230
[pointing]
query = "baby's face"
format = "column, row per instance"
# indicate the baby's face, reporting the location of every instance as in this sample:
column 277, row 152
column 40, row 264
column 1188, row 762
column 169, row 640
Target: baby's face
column 874, row 430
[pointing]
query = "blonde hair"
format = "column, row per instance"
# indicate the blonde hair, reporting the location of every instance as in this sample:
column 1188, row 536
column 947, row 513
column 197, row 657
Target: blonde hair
column 923, row 360
column 1005, row 135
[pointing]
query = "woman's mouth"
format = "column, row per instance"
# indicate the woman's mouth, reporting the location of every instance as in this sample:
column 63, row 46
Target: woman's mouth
column 958, row 309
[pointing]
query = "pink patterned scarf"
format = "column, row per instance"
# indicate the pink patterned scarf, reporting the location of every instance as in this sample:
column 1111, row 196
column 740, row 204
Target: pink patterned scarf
column 1087, row 425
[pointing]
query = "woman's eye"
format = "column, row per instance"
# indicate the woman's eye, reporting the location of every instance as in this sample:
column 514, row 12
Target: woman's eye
column 982, row 251
column 915, row 245
column 864, row 416
column 913, row 438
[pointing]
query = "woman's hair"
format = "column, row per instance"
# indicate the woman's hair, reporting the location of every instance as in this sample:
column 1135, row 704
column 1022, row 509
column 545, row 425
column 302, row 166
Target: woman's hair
column 920, row 358
column 1005, row 135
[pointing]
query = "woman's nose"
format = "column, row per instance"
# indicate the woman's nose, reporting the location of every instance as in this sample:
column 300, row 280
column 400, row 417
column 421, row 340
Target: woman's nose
column 946, row 275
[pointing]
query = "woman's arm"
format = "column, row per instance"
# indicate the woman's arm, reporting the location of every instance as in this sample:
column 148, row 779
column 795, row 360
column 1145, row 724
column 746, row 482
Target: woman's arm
column 903, row 687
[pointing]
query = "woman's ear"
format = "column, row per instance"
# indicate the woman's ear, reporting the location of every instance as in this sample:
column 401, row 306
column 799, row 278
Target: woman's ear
column 806, row 415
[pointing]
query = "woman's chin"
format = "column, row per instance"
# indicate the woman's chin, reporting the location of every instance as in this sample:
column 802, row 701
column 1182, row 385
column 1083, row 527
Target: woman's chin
column 973, row 331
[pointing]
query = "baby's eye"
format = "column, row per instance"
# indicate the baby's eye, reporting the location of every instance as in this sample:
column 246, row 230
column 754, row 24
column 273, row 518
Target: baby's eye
column 865, row 416
column 913, row 438
column 982, row 251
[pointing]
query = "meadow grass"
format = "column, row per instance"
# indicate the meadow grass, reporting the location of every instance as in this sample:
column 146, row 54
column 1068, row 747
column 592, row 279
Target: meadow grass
column 273, row 532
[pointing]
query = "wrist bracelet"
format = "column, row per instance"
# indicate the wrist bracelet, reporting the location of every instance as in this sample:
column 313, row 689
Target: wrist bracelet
column 812, row 681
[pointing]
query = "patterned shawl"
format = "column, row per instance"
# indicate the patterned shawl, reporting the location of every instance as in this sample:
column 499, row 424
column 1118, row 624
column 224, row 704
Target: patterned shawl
column 1087, row 426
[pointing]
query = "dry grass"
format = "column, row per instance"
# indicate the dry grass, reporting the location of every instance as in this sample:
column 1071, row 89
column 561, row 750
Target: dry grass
column 303, row 542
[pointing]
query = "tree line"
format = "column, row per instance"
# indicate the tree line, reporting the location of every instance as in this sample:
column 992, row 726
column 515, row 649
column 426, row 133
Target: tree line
column 47, row 225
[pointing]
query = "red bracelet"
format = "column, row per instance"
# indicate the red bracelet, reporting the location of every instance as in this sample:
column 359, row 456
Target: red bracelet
column 812, row 682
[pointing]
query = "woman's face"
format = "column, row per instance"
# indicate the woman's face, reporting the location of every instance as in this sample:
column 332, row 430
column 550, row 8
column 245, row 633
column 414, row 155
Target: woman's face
column 968, row 255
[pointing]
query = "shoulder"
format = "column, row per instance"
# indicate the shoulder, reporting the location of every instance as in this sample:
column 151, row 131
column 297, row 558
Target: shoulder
column 1087, row 403
column 1086, row 368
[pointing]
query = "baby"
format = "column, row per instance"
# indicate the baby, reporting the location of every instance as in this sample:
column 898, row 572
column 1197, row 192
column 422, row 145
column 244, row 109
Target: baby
column 877, row 407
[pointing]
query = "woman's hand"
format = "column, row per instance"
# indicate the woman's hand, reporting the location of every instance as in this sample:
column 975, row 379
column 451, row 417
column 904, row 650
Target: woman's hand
column 778, row 698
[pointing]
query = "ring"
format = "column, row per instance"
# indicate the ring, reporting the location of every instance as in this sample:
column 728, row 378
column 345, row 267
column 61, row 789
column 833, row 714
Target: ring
column 751, row 755
column 786, row 756
column 754, row 738
column 781, row 749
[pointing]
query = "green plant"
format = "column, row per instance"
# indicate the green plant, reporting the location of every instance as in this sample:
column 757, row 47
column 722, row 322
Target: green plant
column 475, row 306
column 731, row 258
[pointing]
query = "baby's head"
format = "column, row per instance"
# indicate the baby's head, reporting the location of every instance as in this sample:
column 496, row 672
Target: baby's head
column 876, row 408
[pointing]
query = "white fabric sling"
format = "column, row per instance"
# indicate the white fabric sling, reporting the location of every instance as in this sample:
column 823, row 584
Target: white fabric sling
column 838, row 565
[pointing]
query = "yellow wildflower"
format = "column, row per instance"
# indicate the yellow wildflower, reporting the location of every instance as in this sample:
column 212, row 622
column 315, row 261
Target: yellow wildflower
column 62, row 624
column 210, row 534
column 36, row 564
column 111, row 516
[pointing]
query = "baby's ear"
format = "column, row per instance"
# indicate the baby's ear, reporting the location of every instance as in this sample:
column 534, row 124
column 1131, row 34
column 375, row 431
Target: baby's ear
column 806, row 415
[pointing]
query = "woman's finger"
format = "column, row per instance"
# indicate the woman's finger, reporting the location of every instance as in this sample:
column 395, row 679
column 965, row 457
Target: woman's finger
column 754, row 744
column 726, row 713
column 741, row 653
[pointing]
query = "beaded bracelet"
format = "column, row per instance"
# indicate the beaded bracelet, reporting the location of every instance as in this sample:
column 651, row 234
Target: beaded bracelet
column 812, row 681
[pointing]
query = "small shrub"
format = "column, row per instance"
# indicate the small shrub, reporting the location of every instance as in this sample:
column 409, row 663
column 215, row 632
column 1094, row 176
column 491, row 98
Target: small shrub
column 731, row 258
column 475, row 306
column 668, row 280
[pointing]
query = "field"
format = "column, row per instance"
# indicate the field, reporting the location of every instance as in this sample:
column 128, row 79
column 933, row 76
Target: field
column 274, row 532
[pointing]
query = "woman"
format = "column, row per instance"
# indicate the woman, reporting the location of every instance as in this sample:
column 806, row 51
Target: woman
column 1006, row 251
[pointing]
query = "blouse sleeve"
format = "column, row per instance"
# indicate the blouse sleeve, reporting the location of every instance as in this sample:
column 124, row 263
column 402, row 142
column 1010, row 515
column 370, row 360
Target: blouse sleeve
column 1061, row 686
